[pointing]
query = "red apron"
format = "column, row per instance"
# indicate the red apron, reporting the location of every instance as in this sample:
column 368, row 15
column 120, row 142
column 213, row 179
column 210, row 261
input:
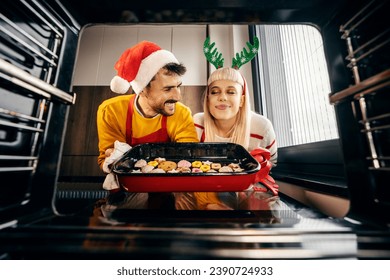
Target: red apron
column 155, row 200
column 160, row 135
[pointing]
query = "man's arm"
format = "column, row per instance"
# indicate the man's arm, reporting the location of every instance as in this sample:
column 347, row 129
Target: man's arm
column 109, row 130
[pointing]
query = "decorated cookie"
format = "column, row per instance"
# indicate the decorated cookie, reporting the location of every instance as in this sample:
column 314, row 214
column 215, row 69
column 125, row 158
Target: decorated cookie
column 184, row 163
column 147, row 168
column 205, row 167
column 157, row 170
column 216, row 166
column 160, row 159
column 212, row 171
column 184, row 169
column 196, row 170
column 196, row 164
column 140, row 163
column 153, row 163
column 225, row 169
column 238, row 169
column 173, row 171
column 234, row 165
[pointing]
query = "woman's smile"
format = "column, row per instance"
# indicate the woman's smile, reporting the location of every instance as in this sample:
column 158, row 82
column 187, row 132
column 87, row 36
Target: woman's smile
column 222, row 106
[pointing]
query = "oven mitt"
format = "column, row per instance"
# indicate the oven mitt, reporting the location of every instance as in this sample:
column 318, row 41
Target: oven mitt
column 262, row 176
column 111, row 181
column 119, row 149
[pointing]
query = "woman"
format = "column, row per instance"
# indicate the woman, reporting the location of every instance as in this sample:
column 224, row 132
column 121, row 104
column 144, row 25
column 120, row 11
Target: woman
column 227, row 117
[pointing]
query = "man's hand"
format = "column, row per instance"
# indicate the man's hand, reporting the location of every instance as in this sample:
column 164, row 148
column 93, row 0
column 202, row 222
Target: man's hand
column 112, row 154
column 109, row 152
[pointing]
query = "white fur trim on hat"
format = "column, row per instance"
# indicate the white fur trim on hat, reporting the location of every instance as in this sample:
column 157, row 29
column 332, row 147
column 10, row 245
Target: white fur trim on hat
column 149, row 67
column 119, row 85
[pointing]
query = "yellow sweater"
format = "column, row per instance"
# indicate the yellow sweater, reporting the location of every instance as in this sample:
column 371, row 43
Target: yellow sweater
column 111, row 124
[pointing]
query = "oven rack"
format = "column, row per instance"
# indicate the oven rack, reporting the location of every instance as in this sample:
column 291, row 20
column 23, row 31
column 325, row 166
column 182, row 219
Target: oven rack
column 33, row 102
column 31, row 37
column 365, row 105
column 367, row 39
column 22, row 124
column 373, row 119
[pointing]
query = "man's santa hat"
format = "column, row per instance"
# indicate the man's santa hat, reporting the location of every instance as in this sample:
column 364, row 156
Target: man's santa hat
column 137, row 66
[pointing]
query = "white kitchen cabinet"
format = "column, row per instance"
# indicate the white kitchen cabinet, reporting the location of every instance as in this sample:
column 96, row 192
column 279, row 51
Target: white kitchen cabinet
column 89, row 49
column 101, row 46
column 187, row 45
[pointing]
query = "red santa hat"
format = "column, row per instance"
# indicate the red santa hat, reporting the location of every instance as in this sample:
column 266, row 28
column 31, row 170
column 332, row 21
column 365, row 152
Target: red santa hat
column 137, row 66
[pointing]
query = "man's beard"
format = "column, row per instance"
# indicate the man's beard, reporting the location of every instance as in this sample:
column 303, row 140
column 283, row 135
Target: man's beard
column 162, row 110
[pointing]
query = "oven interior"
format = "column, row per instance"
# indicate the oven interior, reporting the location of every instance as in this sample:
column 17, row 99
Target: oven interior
column 38, row 54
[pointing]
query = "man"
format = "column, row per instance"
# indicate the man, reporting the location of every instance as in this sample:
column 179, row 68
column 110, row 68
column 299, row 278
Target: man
column 154, row 112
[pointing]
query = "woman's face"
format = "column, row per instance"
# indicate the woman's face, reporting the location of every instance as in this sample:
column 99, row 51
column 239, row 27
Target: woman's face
column 225, row 99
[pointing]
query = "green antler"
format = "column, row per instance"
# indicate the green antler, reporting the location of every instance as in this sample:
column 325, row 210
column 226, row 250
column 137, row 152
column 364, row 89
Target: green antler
column 246, row 56
column 212, row 56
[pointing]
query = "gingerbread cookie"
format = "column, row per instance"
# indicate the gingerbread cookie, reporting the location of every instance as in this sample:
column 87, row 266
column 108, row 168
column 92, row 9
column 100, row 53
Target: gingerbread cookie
column 167, row 165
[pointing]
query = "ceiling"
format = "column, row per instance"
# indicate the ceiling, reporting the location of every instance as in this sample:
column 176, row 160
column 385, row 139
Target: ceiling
column 202, row 11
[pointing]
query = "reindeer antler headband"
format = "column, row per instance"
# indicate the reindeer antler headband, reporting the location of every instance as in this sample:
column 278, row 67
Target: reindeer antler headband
column 215, row 58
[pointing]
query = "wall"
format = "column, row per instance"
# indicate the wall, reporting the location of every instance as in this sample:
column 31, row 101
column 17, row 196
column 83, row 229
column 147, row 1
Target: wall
column 229, row 40
column 102, row 45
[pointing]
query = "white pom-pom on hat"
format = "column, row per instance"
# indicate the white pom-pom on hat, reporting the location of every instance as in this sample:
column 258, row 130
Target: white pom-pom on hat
column 119, row 85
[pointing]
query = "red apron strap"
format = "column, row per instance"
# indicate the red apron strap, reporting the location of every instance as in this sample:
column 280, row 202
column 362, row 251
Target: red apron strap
column 129, row 120
column 164, row 123
column 160, row 135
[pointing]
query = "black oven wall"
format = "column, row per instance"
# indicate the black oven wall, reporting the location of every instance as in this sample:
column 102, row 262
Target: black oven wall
column 38, row 46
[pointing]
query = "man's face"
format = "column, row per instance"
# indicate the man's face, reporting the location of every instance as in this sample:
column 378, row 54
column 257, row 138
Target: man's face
column 163, row 93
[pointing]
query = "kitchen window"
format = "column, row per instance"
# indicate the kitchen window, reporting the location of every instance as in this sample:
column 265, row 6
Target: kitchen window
column 294, row 87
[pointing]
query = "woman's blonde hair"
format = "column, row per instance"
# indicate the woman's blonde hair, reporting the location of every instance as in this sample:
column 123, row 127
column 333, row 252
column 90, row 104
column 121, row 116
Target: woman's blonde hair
column 241, row 129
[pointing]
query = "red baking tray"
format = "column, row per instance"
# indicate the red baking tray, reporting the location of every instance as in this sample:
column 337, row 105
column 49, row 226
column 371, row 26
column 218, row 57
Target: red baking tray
column 223, row 153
